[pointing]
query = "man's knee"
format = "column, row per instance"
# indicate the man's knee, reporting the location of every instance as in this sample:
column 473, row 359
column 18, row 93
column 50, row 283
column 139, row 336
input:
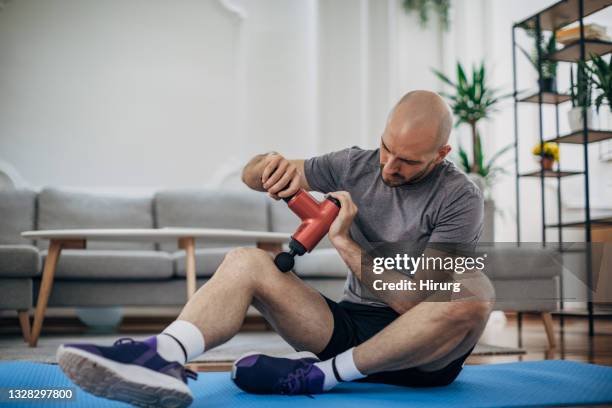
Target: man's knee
column 245, row 254
column 471, row 314
column 246, row 260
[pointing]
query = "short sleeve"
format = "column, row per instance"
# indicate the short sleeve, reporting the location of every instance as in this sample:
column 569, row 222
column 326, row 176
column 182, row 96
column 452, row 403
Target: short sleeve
column 327, row 172
column 461, row 219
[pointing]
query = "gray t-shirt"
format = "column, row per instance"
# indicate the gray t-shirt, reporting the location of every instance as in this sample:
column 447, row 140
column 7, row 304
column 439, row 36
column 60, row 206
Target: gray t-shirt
column 444, row 207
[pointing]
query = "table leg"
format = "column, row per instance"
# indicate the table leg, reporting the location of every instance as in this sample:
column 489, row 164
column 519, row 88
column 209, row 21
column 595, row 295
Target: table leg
column 188, row 244
column 272, row 247
column 24, row 323
column 46, row 284
column 550, row 330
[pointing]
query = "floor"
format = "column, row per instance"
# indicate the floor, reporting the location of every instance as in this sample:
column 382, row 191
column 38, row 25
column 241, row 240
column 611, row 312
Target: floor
column 573, row 340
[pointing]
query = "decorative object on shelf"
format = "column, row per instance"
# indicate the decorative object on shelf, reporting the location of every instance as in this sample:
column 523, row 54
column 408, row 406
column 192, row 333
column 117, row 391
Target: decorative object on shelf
column 570, row 35
column 601, row 72
column 581, row 94
column 548, row 153
column 546, row 46
column 472, row 101
column 423, row 7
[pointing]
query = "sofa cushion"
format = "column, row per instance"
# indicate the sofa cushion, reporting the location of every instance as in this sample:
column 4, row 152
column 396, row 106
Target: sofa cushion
column 321, row 263
column 19, row 261
column 16, row 293
column 100, row 264
column 208, row 208
column 63, row 209
column 17, row 214
column 531, row 295
column 207, row 261
column 511, row 263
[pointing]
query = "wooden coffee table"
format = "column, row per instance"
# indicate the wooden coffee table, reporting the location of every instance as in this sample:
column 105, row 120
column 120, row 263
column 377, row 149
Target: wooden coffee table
column 77, row 239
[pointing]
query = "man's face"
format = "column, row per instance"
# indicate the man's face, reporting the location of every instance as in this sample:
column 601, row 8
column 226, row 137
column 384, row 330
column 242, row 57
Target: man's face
column 407, row 154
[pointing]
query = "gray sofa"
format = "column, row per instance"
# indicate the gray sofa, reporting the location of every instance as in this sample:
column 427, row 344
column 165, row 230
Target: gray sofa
column 147, row 274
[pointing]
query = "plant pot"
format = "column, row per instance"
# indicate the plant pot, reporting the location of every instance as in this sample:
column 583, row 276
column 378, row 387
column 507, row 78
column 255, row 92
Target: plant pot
column 574, row 117
column 548, row 85
column 548, row 163
column 605, row 118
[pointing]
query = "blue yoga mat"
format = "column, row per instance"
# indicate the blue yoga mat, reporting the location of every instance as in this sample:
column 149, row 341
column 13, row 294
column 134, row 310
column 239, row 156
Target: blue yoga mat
column 536, row 383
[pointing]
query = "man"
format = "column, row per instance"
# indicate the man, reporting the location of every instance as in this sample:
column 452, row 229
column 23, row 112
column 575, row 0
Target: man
column 405, row 191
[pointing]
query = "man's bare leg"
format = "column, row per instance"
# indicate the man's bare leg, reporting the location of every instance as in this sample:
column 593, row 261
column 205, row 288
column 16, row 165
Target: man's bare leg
column 151, row 372
column 429, row 336
column 248, row 276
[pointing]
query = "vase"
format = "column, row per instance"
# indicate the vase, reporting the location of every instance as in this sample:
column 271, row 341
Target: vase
column 574, row 117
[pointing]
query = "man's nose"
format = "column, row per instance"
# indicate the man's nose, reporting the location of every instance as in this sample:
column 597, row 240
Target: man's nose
column 392, row 165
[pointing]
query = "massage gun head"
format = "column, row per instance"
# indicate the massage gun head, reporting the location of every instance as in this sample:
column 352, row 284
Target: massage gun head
column 285, row 261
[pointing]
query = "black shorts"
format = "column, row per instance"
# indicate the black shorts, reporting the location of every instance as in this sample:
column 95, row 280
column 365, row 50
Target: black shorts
column 355, row 323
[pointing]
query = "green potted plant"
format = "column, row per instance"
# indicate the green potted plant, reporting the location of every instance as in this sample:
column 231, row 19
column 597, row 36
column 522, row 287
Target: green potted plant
column 601, row 78
column 581, row 94
column 472, row 101
column 423, row 7
column 546, row 45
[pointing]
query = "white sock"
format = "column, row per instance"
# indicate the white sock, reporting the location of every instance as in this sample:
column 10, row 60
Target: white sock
column 345, row 366
column 181, row 341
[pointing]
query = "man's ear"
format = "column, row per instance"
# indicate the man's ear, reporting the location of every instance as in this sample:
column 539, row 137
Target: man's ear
column 444, row 151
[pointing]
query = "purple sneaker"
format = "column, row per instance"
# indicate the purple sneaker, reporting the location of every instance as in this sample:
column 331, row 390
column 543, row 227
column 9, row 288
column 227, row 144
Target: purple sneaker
column 129, row 371
column 290, row 375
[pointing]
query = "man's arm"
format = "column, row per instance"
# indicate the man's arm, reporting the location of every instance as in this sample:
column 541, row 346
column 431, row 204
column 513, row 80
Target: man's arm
column 273, row 173
column 399, row 300
column 351, row 253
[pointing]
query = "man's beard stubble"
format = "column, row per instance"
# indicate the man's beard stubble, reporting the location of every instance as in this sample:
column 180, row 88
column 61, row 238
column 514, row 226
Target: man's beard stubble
column 403, row 181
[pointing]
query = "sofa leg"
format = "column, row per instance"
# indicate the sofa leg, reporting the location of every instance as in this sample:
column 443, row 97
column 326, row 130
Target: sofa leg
column 24, row 322
column 550, row 331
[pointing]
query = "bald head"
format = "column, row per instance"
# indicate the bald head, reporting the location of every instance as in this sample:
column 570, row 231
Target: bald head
column 416, row 136
column 425, row 112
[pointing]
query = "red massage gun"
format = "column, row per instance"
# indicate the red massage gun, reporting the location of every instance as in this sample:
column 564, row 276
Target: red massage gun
column 316, row 218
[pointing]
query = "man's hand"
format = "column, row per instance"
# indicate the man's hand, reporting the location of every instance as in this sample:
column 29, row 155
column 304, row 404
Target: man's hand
column 280, row 177
column 339, row 230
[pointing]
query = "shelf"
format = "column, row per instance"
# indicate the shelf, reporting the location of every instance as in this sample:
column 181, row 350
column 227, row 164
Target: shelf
column 576, row 137
column 551, row 173
column 547, row 97
column 601, row 222
column 563, row 13
column 571, row 52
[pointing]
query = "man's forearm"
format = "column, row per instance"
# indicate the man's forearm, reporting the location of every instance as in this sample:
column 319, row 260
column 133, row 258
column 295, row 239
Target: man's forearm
column 352, row 254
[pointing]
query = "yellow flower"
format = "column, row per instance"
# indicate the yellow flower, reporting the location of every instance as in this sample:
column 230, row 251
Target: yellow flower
column 550, row 150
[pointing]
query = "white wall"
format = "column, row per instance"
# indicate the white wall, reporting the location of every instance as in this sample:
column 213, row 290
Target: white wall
column 155, row 93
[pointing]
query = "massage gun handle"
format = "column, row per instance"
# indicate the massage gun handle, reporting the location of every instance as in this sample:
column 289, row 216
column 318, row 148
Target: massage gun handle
column 333, row 200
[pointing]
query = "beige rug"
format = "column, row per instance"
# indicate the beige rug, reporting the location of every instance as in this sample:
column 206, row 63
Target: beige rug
column 13, row 348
